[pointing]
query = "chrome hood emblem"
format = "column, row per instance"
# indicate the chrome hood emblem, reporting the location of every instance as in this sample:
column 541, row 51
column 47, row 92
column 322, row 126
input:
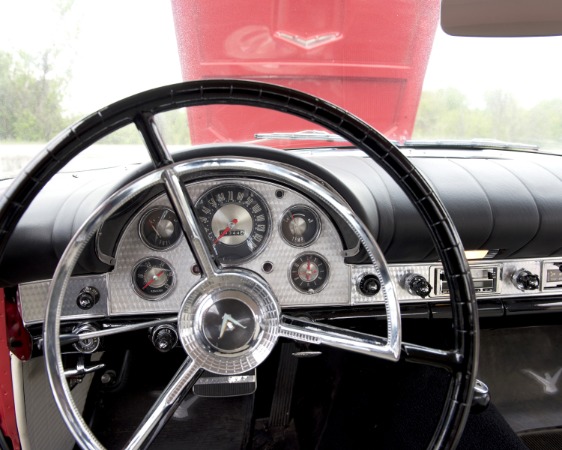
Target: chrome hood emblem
column 308, row 42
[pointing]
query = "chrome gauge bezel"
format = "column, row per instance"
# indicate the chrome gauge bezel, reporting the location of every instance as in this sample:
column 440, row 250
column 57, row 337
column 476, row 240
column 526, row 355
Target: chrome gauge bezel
column 318, row 227
column 324, row 283
column 268, row 221
column 143, row 294
column 143, row 237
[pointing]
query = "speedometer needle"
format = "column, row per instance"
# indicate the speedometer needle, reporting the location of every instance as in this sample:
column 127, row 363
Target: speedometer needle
column 226, row 230
column 152, row 280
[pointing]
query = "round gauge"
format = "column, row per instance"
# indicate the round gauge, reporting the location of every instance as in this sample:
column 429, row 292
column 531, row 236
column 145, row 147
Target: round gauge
column 159, row 228
column 300, row 225
column 309, row 273
column 236, row 221
column 153, row 278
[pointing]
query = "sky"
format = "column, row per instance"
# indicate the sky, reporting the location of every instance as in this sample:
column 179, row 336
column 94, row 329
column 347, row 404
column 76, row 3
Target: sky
column 130, row 45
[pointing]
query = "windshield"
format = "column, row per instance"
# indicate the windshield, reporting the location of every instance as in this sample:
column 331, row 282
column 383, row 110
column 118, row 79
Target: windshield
column 388, row 62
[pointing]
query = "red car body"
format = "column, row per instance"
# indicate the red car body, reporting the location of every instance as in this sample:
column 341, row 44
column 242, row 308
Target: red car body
column 372, row 60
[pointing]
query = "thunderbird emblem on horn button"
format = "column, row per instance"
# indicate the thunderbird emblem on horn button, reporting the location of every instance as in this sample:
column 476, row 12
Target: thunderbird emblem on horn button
column 228, row 323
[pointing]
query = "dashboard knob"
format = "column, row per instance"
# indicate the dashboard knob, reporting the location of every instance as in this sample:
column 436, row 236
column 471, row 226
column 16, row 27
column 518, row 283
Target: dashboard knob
column 164, row 338
column 416, row 284
column 369, row 285
column 87, row 297
column 525, row 280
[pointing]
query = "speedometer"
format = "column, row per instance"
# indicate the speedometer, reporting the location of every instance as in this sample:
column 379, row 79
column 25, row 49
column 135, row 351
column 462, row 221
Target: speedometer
column 236, row 221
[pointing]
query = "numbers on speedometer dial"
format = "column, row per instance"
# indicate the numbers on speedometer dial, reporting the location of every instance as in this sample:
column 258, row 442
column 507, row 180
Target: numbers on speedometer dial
column 236, row 221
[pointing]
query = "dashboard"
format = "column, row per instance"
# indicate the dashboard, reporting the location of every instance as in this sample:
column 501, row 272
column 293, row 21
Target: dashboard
column 295, row 244
column 262, row 226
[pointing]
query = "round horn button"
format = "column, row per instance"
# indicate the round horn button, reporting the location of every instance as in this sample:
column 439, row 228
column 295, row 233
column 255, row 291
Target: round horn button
column 229, row 325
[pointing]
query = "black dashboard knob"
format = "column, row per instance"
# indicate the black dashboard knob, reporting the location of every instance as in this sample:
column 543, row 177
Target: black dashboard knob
column 164, row 338
column 87, row 297
column 525, row 280
column 369, row 285
column 416, row 284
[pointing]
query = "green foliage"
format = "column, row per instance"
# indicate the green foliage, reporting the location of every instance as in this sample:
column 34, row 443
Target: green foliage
column 446, row 114
column 30, row 98
column 174, row 127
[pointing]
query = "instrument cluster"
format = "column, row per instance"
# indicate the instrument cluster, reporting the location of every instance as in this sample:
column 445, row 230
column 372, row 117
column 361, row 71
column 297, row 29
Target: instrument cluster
column 257, row 225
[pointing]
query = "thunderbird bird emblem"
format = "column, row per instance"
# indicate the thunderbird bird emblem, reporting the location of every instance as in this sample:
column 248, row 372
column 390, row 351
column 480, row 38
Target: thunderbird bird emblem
column 228, row 323
column 548, row 382
column 308, row 42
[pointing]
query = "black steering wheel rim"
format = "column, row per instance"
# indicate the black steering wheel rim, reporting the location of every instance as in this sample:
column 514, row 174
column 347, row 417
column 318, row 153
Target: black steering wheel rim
column 141, row 108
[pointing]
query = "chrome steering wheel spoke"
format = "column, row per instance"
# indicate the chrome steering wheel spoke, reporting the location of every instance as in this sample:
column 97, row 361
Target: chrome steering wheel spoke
column 165, row 406
column 184, row 209
column 306, row 331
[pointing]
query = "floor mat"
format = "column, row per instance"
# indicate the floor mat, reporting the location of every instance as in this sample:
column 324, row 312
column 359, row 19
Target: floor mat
column 198, row 423
column 543, row 439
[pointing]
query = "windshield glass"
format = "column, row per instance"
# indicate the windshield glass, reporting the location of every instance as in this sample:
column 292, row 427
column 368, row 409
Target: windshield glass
column 388, row 62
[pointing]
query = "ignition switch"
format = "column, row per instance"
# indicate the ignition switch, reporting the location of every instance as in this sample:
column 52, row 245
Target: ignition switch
column 89, row 345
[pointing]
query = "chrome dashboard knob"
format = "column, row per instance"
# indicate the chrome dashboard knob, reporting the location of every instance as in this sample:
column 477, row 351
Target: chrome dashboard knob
column 416, row 284
column 525, row 280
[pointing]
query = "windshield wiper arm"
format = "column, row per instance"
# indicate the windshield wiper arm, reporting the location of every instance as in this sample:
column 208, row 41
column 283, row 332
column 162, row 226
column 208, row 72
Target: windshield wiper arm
column 306, row 135
column 470, row 144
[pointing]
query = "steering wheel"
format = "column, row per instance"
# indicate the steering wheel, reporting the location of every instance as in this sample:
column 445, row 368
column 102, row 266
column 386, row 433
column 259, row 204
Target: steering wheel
column 265, row 322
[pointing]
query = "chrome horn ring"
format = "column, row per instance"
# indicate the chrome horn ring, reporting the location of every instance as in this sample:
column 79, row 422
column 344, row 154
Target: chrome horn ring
column 201, row 303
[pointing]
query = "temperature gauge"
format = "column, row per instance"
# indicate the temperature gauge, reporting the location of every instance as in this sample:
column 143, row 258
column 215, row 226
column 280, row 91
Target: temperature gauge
column 309, row 273
column 153, row 278
column 300, row 225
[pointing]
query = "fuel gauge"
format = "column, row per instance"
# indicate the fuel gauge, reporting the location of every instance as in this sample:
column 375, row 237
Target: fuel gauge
column 300, row 225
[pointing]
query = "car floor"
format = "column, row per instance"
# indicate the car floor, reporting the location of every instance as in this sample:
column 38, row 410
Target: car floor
column 342, row 400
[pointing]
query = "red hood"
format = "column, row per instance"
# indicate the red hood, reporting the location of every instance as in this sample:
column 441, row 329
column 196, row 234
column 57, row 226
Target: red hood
column 368, row 57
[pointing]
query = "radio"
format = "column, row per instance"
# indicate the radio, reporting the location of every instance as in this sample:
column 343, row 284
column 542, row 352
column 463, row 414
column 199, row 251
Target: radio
column 484, row 278
column 552, row 275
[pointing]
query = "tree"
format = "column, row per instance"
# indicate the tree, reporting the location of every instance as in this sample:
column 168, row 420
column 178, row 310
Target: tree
column 503, row 115
column 445, row 114
column 30, row 98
